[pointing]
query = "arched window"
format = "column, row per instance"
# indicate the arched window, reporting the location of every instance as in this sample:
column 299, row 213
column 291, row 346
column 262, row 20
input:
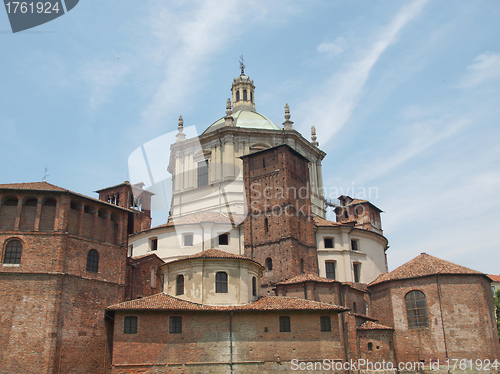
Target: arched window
column 221, row 282
column 354, row 308
column 92, row 261
column 416, row 309
column 245, row 95
column 302, row 266
column 237, row 95
column 370, row 346
column 254, row 286
column 269, row 264
column 266, row 225
column 13, row 251
column 251, row 96
column 179, row 285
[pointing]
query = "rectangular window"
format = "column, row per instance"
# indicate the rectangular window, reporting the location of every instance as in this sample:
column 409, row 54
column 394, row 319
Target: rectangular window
column 354, row 245
column 153, row 243
column 285, row 324
column 175, row 325
column 221, row 282
column 329, row 243
column 224, row 239
column 326, row 323
column 330, row 269
column 188, row 240
column 357, row 272
column 203, row 173
column 130, row 325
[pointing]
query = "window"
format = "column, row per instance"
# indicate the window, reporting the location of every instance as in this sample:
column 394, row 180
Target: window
column 188, row 240
column 370, row 346
column 175, row 325
column 92, row 261
column 221, row 282
column 179, row 285
column 251, row 96
column 245, row 95
column 302, row 266
column 130, row 325
column 237, row 95
column 326, row 323
column 354, row 308
column 254, row 286
column 203, row 173
column 269, row 264
column 153, row 244
column 266, row 225
column 329, row 243
column 130, row 250
column 285, row 324
column 152, row 281
column 354, row 245
column 13, row 251
column 357, row 272
column 223, row 239
column 416, row 309
column 330, row 269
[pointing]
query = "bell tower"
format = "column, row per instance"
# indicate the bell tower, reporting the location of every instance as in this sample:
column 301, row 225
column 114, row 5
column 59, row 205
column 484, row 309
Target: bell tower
column 279, row 228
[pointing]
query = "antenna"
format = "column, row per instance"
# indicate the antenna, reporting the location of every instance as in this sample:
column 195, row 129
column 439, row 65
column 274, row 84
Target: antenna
column 46, row 175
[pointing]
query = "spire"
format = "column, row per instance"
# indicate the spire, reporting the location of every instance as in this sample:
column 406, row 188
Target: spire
column 242, row 65
column 229, row 119
column 313, row 136
column 180, row 135
column 287, row 124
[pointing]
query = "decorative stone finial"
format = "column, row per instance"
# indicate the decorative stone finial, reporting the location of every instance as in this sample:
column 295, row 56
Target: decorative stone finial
column 180, row 136
column 287, row 124
column 229, row 120
column 242, row 65
column 313, row 136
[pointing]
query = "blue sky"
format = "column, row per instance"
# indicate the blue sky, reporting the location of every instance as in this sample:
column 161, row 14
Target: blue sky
column 404, row 96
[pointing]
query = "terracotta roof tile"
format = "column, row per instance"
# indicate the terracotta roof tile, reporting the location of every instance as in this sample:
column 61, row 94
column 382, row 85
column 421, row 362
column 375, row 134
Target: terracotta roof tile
column 321, row 222
column 162, row 301
column 45, row 186
column 494, row 278
column 307, row 277
column 370, row 325
column 216, row 254
column 362, row 316
column 140, row 257
column 422, row 266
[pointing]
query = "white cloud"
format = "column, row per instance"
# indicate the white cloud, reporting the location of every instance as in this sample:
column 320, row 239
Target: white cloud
column 486, row 67
column 332, row 49
column 102, row 77
column 342, row 92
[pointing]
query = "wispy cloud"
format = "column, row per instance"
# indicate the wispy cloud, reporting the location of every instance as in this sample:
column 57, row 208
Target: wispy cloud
column 102, row 77
column 341, row 93
column 334, row 48
column 485, row 68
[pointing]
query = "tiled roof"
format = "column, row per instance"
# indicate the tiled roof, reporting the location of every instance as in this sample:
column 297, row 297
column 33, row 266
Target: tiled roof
column 146, row 255
column 357, row 286
column 307, row 277
column 45, row 186
column 216, row 254
column 362, row 316
column 321, row 222
column 494, row 278
column 162, row 301
column 33, row 186
column 288, row 303
column 370, row 325
column 422, row 266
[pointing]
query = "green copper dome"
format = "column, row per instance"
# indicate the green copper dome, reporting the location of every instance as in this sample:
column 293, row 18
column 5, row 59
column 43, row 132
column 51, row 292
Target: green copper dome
column 245, row 119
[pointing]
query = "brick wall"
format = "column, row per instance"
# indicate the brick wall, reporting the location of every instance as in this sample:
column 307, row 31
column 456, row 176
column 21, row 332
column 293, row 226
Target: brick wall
column 139, row 276
column 205, row 338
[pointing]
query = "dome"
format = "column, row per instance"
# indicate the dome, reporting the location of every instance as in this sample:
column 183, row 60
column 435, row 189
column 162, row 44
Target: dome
column 246, row 119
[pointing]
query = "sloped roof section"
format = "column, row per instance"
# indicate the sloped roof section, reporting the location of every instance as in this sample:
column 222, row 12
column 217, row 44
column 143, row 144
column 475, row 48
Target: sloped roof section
column 34, row 186
column 370, row 325
column 422, row 266
column 162, row 301
column 307, row 278
column 494, row 278
column 214, row 253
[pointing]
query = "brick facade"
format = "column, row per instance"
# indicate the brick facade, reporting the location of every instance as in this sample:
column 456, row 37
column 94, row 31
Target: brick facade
column 279, row 227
